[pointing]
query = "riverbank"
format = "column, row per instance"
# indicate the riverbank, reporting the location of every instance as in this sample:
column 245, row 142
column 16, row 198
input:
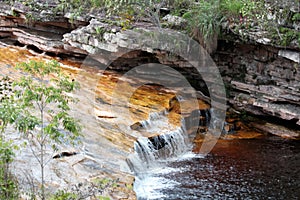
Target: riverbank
column 261, row 76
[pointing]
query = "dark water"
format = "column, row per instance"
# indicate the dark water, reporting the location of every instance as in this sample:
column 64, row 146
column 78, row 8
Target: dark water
column 239, row 169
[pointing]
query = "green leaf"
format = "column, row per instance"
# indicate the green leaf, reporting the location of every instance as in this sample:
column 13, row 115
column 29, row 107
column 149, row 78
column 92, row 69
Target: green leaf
column 39, row 107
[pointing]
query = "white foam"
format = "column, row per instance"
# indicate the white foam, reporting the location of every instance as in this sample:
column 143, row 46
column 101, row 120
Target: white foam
column 157, row 123
column 149, row 187
column 165, row 170
column 152, row 155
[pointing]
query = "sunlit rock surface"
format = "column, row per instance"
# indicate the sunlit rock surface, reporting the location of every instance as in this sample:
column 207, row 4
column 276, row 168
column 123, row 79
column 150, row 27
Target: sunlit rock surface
column 108, row 136
column 261, row 76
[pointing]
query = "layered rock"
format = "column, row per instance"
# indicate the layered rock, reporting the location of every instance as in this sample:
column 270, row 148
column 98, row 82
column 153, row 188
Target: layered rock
column 262, row 79
column 108, row 139
column 38, row 28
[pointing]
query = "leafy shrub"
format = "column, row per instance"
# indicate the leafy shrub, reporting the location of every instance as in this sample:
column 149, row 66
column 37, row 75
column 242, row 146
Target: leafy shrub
column 204, row 22
column 8, row 184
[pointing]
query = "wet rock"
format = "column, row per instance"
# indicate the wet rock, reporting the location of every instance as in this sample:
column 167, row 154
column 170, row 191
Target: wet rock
column 229, row 128
column 174, row 105
column 136, row 126
column 243, row 134
column 158, row 142
column 120, row 195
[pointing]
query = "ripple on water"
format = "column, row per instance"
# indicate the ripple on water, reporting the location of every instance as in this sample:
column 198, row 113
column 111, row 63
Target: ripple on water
column 247, row 169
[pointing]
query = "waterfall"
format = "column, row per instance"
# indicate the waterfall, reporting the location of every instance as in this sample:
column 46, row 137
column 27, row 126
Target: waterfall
column 168, row 142
column 153, row 117
column 153, row 152
column 165, row 144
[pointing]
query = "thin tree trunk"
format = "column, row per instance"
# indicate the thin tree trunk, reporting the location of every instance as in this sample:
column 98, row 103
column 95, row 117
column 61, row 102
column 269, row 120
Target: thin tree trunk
column 42, row 171
column 42, row 155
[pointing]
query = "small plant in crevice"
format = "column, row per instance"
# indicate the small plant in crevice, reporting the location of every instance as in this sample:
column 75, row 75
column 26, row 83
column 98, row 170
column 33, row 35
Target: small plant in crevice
column 30, row 18
column 100, row 31
column 63, row 195
column 288, row 35
column 125, row 24
column 105, row 183
column 296, row 17
column 98, row 188
column 103, row 198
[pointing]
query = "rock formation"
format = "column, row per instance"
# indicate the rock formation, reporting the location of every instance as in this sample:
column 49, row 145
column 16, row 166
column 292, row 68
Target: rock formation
column 261, row 78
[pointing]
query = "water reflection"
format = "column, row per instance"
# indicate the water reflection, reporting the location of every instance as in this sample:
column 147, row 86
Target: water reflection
column 240, row 169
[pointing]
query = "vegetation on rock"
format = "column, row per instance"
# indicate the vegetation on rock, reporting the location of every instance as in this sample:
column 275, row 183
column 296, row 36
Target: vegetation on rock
column 39, row 110
column 8, row 183
column 249, row 19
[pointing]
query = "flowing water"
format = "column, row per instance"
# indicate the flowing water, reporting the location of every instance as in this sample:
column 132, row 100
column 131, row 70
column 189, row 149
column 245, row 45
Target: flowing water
column 264, row 168
column 163, row 161
column 267, row 168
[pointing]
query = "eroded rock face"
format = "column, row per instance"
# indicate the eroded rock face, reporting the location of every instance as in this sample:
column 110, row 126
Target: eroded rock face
column 108, row 139
column 39, row 28
column 262, row 80
column 75, row 165
column 278, row 130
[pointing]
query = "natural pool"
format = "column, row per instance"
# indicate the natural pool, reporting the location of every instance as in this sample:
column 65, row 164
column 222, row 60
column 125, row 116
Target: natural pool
column 265, row 168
